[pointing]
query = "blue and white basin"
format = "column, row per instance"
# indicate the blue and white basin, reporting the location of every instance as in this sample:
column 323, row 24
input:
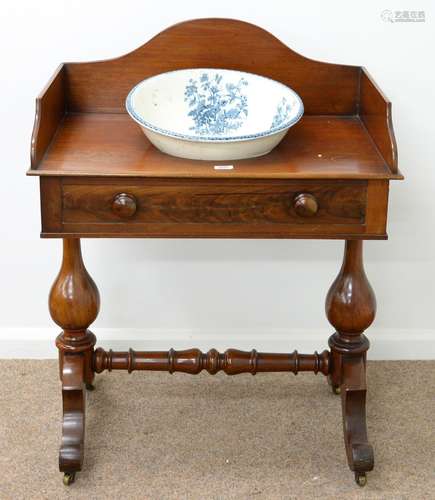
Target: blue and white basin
column 213, row 114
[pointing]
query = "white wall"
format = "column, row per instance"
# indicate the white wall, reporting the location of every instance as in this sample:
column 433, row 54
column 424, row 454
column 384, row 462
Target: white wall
column 220, row 293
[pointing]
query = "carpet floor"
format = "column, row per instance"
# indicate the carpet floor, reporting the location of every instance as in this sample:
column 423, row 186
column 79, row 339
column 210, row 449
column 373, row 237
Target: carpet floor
column 273, row 436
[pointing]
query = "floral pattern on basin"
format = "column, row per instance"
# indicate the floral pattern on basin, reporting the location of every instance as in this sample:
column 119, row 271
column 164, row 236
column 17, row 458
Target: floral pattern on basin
column 213, row 113
column 216, row 106
column 282, row 113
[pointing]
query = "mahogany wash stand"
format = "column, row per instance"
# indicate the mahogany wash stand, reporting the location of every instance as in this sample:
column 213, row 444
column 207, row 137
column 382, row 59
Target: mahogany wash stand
column 100, row 177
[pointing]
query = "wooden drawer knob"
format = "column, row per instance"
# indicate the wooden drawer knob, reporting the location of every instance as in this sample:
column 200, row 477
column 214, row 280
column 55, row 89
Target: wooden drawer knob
column 305, row 205
column 124, row 205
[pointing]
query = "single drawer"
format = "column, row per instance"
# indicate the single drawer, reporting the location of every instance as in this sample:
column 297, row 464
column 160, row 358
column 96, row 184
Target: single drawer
column 213, row 208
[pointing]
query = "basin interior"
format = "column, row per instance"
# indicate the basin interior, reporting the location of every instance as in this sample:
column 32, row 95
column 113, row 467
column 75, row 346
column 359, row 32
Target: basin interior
column 213, row 104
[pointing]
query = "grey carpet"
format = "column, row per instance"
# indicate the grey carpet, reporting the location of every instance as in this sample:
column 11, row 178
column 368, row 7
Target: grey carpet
column 272, row 436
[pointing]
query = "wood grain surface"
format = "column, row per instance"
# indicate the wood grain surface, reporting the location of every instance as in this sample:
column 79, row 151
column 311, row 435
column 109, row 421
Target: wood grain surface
column 213, row 208
column 327, row 91
column 318, row 147
column 213, row 43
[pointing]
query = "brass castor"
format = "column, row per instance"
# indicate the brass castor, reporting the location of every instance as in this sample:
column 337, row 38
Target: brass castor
column 336, row 389
column 361, row 478
column 90, row 387
column 68, row 478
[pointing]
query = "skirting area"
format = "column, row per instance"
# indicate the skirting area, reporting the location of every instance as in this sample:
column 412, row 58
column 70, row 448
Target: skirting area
column 272, row 436
column 385, row 344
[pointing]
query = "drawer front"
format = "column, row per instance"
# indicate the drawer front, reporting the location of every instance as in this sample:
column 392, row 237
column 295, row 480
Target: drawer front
column 209, row 208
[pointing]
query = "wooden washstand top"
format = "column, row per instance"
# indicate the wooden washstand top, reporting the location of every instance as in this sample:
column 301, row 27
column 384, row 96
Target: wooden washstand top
column 81, row 126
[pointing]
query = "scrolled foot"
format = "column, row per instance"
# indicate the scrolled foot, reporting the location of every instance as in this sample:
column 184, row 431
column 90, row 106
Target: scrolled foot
column 73, row 425
column 361, row 478
column 69, row 478
column 359, row 452
column 90, row 387
column 336, row 389
column 362, row 457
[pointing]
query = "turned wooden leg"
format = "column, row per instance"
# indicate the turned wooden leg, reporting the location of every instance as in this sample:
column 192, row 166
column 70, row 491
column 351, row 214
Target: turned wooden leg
column 351, row 308
column 74, row 304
